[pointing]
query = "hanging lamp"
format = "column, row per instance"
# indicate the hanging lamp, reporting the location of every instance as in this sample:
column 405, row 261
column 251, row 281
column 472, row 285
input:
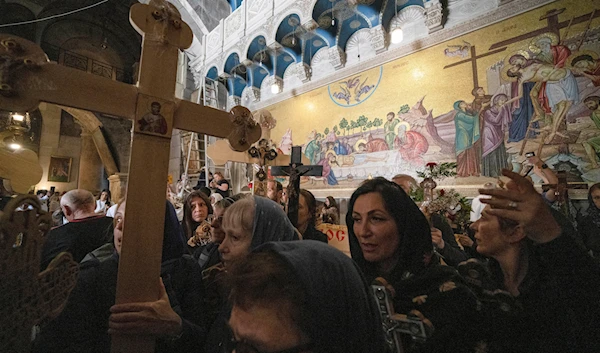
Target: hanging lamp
column 397, row 33
column 275, row 86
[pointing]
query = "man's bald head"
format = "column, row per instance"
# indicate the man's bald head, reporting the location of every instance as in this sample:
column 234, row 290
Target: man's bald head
column 406, row 182
column 77, row 204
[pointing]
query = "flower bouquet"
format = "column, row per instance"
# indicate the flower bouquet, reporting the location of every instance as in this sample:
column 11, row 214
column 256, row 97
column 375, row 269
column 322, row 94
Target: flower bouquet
column 438, row 171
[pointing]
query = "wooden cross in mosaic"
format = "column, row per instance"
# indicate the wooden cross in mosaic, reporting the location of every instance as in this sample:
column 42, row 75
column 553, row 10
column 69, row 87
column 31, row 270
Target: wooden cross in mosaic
column 473, row 60
column 553, row 26
column 27, row 78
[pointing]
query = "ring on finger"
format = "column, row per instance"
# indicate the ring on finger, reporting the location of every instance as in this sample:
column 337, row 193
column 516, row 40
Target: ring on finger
column 513, row 204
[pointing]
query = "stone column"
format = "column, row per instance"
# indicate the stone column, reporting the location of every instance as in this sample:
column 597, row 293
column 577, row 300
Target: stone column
column 118, row 185
column 252, row 94
column 304, row 72
column 379, row 39
column 90, row 165
column 337, row 57
column 233, row 101
column 434, row 15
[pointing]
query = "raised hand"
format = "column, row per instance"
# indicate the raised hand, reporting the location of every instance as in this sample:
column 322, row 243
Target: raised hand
column 520, row 202
column 436, row 238
column 150, row 318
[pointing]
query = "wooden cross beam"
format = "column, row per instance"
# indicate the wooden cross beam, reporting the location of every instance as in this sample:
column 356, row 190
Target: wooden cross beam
column 473, row 60
column 295, row 170
column 553, row 25
column 561, row 189
column 27, row 78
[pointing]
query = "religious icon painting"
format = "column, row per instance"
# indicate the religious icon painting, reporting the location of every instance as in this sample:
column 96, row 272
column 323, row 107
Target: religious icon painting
column 154, row 116
column 59, row 169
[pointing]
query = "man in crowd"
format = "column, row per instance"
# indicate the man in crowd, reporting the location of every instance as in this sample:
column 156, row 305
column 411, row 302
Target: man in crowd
column 442, row 235
column 85, row 231
column 274, row 190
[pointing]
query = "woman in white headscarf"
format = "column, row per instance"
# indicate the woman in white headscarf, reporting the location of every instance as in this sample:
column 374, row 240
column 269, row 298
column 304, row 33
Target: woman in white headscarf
column 214, row 198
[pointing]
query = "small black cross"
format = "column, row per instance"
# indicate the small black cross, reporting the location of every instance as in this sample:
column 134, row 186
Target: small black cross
column 295, row 170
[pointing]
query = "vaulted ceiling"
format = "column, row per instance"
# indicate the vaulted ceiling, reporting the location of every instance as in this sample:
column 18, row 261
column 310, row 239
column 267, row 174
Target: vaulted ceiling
column 101, row 33
column 339, row 23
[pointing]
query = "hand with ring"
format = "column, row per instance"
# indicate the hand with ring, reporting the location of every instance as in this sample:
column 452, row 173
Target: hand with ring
column 520, row 202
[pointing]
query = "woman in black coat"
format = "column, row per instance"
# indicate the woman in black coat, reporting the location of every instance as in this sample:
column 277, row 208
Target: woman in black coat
column 83, row 326
column 390, row 238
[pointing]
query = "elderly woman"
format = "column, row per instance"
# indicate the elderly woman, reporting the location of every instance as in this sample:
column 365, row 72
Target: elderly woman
column 214, row 198
column 302, row 296
column 555, row 285
column 248, row 223
column 390, row 238
column 208, row 255
column 196, row 209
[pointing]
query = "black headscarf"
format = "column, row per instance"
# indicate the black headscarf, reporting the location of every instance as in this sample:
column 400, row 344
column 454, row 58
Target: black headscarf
column 173, row 238
column 415, row 248
column 342, row 314
column 270, row 223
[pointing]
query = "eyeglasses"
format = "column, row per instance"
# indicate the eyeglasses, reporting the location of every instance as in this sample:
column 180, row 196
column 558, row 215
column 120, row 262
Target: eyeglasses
column 244, row 347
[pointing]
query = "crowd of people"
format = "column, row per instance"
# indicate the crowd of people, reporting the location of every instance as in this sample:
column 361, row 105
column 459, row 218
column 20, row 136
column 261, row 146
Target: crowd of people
column 237, row 276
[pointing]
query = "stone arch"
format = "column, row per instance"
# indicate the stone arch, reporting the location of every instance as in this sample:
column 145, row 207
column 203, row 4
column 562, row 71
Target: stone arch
column 292, row 10
column 412, row 20
column 91, row 124
column 223, row 62
column 261, row 33
column 359, row 43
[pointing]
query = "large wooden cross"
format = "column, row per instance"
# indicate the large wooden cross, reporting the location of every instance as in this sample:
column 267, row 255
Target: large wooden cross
column 553, row 26
column 27, row 78
column 295, row 170
column 473, row 60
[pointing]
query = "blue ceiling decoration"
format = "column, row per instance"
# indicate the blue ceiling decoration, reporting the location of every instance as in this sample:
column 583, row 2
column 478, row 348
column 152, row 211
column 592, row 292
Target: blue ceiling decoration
column 284, row 59
column 319, row 40
column 289, row 34
column 341, row 19
column 212, row 73
column 349, row 27
column 231, row 63
column 235, row 4
column 371, row 12
column 337, row 21
column 258, row 73
column 257, row 46
column 322, row 14
column 235, row 85
column 325, row 35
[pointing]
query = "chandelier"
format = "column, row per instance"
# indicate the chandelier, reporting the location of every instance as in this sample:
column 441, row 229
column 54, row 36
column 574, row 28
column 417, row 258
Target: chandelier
column 17, row 126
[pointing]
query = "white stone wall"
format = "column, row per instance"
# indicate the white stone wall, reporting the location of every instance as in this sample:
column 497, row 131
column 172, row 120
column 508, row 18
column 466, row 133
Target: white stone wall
column 423, row 27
